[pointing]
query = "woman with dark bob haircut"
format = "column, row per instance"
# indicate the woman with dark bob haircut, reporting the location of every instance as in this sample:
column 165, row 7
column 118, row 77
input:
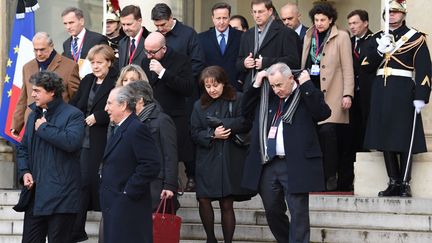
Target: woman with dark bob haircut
column 327, row 53
column 215, row 119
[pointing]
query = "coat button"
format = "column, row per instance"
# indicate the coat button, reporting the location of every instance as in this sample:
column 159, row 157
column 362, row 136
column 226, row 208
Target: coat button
column 324, row 90
column 323, row 79
column 323, row 66
column 323, row 53
column 306, row 93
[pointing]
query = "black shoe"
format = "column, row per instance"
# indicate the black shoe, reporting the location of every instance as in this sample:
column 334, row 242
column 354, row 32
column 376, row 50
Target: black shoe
column 393, row 189
column 331, row 183
column 190, row 185
column 405, row 190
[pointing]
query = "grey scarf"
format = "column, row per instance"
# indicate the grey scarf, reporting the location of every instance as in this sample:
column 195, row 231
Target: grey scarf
column 263, row 116
column 145, row 113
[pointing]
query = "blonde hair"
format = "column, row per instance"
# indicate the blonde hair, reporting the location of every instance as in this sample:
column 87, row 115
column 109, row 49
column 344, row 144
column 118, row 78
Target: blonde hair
column 131, row 68
column 105, row 50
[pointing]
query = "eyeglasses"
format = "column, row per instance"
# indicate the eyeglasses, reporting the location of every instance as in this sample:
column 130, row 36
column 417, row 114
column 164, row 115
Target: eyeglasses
column 152, row 53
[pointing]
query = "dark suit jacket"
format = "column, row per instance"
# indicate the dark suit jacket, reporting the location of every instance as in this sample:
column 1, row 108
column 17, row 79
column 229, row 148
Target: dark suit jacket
column 130, row 164
column 97, row 134
column 123, row 50
column 175, row 85
column 227, row 61
column 302, row 148
column 281, row 44
column 90, row 39
column 303, row 32
column 184, row 40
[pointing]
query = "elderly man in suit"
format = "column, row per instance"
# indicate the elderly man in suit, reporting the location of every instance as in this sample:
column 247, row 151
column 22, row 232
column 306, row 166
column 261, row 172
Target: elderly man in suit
column 222, row 42
column 46, row 58
column 267, row 43
column 81, row 39
column 130, row 164
column 285, row 161
column 131, row 47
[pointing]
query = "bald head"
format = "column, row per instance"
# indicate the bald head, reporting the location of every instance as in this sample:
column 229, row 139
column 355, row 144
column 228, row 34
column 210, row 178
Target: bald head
column 290, row 15
column 154, row 46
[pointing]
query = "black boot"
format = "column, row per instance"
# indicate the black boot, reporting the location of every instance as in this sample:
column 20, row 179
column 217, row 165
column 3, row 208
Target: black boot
column 393, row 189
column 405, row 190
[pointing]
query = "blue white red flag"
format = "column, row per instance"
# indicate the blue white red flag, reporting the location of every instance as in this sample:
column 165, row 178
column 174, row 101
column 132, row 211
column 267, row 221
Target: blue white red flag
column 20, row 52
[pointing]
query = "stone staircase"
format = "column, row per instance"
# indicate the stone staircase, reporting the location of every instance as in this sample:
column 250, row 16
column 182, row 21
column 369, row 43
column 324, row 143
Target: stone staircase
column 346, row 219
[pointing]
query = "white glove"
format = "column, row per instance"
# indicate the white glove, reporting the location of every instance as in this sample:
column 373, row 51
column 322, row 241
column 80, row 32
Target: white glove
column 418, row 104
column 385, row 43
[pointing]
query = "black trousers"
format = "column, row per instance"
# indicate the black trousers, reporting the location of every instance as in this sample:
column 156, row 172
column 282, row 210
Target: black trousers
column 274, row 194
column 58, row 227
column 396, row 163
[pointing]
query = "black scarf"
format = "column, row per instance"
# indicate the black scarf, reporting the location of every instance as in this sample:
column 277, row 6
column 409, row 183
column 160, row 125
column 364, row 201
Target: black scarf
column 44, row 65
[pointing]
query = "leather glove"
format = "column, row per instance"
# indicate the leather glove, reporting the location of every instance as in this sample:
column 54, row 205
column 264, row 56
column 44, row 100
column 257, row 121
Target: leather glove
column 418, row 104
column 213, row 122
column 385, row 43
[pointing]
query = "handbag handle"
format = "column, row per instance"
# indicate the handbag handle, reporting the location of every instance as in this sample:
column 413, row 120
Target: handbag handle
column 163, row 201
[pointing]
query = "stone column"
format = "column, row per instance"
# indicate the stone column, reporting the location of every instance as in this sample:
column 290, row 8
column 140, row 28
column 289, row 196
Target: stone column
column 7, row 166
column 418, row 14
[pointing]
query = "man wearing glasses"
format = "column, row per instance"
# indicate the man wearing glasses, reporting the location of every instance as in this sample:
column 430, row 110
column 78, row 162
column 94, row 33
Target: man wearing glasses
column 170, row 75
column 267, row 43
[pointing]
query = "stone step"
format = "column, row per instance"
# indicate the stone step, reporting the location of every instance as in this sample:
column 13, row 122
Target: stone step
column 318, row 234
column 332, row 219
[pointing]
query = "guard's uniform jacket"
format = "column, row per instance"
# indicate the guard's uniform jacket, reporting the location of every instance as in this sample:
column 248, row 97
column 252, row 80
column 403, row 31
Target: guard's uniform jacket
column 401, row 77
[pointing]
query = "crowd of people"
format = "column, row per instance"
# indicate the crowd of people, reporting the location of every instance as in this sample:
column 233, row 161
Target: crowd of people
column 278, row 109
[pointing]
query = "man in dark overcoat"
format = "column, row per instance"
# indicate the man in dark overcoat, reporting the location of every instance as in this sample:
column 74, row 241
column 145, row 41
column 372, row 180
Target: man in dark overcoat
column 130, row 164
column 213, row 44
column 267, row 43
column 170, row 75
column 284, row 162
column 402, row 64
column 48, row 162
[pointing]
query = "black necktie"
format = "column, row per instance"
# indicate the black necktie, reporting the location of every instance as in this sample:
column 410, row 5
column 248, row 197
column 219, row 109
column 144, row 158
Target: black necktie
column 132, row 48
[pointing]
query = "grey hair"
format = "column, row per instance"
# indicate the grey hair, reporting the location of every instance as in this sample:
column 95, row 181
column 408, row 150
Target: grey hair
column 141, row 90
column 281, row 68
column 43, row 35
column 126, row 96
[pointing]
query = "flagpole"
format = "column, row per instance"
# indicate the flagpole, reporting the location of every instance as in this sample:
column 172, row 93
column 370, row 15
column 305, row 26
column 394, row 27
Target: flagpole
column 387, row 17
column 104, row 16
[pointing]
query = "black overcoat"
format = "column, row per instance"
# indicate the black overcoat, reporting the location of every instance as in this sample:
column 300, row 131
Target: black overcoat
column 391, row 113
column 219, row 163
column 281, row 44
column 97, row 134
column 302, row 147
column 90, row 39
column 130, row 164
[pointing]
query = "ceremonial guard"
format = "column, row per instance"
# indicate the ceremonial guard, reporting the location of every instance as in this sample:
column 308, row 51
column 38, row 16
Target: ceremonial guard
column 400, row 58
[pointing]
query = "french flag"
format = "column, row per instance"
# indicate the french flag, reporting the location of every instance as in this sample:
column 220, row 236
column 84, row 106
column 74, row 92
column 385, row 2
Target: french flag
column 20, row 52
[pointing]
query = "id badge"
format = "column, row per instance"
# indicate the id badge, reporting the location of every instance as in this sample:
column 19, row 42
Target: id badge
column 315, row 70
column 272, row 132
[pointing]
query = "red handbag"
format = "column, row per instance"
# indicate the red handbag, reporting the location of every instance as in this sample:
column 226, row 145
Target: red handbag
column 166, row 227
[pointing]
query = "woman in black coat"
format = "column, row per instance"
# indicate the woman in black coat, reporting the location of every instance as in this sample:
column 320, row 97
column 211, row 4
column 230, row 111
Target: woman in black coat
column 215, row 119
column 91, row 99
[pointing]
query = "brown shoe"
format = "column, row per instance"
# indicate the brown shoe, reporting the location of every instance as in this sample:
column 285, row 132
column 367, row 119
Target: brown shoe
column 190, row 185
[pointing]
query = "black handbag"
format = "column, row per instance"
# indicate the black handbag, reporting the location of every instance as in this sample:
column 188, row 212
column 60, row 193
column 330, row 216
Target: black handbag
column 24, row 200
column 241, row 139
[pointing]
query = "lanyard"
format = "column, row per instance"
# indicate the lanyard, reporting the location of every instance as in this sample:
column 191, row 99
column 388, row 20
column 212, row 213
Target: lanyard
column 278, row 113
column 136, row 47
column 77, row 55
